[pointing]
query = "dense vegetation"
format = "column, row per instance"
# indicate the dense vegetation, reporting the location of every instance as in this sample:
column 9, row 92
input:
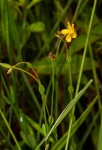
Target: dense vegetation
column 50, row 87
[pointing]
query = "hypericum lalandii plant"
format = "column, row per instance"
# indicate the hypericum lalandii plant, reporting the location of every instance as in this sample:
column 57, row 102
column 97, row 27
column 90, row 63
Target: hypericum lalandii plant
column 68, row 34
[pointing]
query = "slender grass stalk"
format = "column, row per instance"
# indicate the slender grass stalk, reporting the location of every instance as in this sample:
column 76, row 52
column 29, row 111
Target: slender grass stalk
column 100, row 136
column 76, row 11
column 82, row 7
column 85, row 49
column 95, row 79
column 99, row 99
column 10, row 130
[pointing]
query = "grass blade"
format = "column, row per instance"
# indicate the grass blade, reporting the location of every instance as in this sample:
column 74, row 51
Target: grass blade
column 75, row 126
column 65, row 112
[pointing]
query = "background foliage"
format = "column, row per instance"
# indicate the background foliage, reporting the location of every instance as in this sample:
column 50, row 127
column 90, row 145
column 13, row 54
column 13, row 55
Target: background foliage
column 27, row 34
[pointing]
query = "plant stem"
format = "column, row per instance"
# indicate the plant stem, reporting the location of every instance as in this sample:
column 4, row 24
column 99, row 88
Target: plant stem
column 71, row 96
column 27, row 73
column 53, row 72
column 85, row 49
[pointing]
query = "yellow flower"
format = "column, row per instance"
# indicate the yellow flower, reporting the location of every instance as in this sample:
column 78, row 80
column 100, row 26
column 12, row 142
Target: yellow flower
column 69, row 33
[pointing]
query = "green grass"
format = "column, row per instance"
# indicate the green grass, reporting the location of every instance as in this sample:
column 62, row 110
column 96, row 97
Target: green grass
column 50, row 90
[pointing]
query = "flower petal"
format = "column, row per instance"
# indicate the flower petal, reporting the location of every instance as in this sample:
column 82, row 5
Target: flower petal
column 65, row 31
column 71, row 31
column 73, row 26
column 68, row 38
column 74, row 35
column 69, row 26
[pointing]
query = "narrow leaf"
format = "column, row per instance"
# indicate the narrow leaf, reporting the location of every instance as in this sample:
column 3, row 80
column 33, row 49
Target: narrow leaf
column 5, row 65
column 36, row 27
column 100, row 137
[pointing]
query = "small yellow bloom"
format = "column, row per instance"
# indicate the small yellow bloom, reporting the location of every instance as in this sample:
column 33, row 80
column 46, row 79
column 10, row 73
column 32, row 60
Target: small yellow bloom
column 69, row 33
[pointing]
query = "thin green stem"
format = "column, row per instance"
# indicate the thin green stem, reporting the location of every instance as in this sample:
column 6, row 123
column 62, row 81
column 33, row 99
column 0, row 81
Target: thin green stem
column 27, row 64
column 57, row 93
column 20, row 63
column 44, row 112
column 70, row 75
column 99, row 98
column 85, row 49
column 71, row 97
column 95, row 78
column 10, row 130
column 53, row 72
column 82, row 7
column 56, row 81
column 76, row 11
column 27, row 73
